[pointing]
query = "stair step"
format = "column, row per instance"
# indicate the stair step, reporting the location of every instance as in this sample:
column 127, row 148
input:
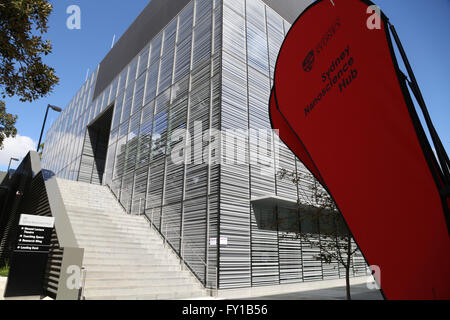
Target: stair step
column 137, row 284
column 92, row 230
column 133, row 268
column 93, row 211
column 144, row 294
column 100, row 236
column 108, row 213
column 94, row 206
column 84, row 196
column 106, row 221
column 127, row 255
column 136, row 250
column 118, row 237
column 109, row 225
column 95, row 197
column 133, row 251
column 120, row 244
column 109, row 229
column 137, row 275
column 142, row 276
column 72, row 194
column 103, row 224
column 89, row 260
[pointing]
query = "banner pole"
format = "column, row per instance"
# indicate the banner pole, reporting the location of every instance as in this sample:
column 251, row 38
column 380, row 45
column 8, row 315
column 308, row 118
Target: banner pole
column 440, row 150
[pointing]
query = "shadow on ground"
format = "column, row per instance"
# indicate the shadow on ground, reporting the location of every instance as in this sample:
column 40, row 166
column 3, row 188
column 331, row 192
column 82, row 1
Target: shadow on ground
column 358, row 292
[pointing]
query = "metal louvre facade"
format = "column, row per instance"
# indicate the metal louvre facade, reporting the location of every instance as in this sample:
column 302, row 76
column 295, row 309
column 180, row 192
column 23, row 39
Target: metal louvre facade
column 210, row 68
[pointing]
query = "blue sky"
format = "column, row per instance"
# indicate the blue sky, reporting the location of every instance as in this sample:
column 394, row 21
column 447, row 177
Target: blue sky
column 423, row 26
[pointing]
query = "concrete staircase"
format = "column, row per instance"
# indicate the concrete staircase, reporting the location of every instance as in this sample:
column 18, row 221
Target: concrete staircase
column 124, row 257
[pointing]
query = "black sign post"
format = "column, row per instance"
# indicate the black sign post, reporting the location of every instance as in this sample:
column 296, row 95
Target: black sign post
column 29, row 258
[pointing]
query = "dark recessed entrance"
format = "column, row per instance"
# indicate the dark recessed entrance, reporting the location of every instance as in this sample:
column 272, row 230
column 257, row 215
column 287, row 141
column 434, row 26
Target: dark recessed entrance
column 95, row 147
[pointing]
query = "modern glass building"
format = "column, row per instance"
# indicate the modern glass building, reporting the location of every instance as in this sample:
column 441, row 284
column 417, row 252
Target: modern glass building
column 175, row 120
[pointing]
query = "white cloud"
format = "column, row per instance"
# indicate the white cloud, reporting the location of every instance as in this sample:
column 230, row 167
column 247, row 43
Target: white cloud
column 17, row 147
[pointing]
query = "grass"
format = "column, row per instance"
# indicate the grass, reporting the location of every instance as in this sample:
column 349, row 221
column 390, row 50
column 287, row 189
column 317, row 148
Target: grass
column 4, row 271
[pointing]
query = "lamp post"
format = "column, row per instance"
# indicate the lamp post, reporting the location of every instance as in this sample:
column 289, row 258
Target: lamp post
column 57, row 109
column 9, row 165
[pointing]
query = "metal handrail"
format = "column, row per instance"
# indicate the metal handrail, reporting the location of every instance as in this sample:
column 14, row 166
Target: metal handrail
column 83, row 283
column 117, row 198
column 182, row 243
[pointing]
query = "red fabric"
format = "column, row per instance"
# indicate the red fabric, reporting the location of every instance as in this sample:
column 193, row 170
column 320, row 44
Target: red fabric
column 362, row 140
column 288, row 136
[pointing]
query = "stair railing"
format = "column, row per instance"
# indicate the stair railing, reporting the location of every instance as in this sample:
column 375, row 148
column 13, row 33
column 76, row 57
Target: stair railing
column 117, row 198
column 183, row 246
column 82, row 283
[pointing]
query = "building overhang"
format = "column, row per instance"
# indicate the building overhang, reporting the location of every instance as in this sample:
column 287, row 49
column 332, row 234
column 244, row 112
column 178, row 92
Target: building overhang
column 286, row 215
column 273, row 202
column 155, row 16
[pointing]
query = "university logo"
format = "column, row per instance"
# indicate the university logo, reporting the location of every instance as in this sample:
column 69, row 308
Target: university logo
column 308, row 62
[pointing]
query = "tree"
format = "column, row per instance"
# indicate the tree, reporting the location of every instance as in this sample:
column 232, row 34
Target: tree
column 22, row 72
column 7, row 122
column 335, row 241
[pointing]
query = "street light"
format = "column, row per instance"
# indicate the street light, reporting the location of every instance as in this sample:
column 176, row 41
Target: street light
column 57, row 109
column 9, row 165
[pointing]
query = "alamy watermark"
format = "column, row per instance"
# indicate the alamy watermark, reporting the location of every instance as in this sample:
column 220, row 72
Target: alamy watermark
column 374, row 20
column 74, row 279
column 256, row 147
column 374, row 279
column 74, row 20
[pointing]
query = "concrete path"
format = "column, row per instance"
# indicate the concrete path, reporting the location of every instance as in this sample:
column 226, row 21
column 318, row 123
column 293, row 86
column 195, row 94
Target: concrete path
column 358, row 292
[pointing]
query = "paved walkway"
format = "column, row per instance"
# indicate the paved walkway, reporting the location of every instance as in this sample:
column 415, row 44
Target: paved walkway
column 358, row 292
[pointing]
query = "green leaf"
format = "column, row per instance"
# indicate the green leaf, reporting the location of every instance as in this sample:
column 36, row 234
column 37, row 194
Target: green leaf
column 22, row 72
column 7, row 124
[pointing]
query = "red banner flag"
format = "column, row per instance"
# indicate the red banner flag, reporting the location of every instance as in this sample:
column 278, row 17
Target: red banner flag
column 341, row 104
